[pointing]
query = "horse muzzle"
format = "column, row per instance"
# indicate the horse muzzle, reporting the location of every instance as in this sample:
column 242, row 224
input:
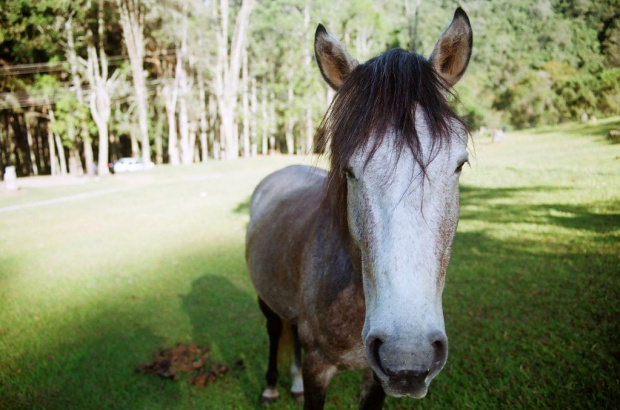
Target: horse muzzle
column 405, row 366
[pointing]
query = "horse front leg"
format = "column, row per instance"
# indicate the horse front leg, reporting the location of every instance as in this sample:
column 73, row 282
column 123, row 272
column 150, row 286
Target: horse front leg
column 372, row 392
column 274, row 330
column 297, row 388
column 317, row 374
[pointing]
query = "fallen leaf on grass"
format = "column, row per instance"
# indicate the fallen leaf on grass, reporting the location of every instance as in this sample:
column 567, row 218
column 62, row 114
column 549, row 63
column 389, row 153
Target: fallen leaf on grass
column 190, row 359
column 202, row 378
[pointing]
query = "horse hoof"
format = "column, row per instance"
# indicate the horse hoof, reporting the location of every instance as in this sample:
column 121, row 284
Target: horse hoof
column 268, row 400
column 299, row 397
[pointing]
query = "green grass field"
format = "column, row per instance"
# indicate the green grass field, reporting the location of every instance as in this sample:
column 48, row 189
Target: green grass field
column 90, row 287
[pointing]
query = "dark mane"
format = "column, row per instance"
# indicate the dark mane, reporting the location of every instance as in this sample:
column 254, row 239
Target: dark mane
column 378, row 96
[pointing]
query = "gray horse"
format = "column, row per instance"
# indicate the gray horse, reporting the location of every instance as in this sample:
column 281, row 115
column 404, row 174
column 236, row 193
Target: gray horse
column 354, row 259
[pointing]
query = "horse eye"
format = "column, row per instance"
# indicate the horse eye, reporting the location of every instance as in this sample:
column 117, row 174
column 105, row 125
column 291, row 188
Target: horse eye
column 349, row 173
column 460, row 167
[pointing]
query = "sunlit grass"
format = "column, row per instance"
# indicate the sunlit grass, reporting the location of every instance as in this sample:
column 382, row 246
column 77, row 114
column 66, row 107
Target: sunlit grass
column 91, row 287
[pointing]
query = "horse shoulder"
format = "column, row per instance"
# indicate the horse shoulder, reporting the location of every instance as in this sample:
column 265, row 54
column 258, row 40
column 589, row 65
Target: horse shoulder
column 332, row 305
column 281, row 210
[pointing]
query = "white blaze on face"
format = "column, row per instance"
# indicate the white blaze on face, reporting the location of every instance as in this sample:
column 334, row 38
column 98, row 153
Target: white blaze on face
column 403, row 223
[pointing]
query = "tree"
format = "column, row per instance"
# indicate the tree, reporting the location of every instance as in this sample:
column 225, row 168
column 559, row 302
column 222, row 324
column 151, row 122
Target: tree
column 227, row 69
column 132, row 22
column 102, row 86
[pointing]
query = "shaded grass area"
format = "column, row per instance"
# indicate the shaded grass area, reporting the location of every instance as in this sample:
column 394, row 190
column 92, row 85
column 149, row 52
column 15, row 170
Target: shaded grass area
column 90, row 288
column 600, row 129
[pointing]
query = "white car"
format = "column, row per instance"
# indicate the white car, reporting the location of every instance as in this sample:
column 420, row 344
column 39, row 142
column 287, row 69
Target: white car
column 129, row 165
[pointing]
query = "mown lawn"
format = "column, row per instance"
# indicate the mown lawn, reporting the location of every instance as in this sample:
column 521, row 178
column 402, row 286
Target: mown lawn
column 89, row 288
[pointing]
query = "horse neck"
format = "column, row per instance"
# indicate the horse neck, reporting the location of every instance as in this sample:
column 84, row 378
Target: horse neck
column 340, row 241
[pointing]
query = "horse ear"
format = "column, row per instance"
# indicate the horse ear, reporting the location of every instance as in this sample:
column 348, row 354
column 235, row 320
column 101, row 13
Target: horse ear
column 333, row 59
column 453, row 50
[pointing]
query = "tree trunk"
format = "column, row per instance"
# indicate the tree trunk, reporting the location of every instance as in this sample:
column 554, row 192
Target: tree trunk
column 230, row 145
column 133, row 25
column 170, row 98
column 290, row 123
column 77, row 85
column 193, row 127
column 213, row 134
column 308, row 148
column 113, row 148
column 3, row 162
column 186, row 151
column 100, row 104
column 135, row 148
column 59, row 146
column 89, row 156
column 159, row 149
column 265, row 118
column 272, row 115
column 51, row 151
column 254, row 133
column 33, row 163
column 226, row 78
column 102, row 166
column 246, row 106
column 61, row 155
column 411, row 12
column 203, row 117
column 14, row 148
column 75, row 167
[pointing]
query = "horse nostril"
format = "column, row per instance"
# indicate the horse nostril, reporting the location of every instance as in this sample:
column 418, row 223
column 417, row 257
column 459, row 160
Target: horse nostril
column 375, row 345
column 440, row 347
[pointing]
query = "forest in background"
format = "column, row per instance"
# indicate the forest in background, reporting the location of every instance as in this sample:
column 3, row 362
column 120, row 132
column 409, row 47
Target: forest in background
column 85, row 82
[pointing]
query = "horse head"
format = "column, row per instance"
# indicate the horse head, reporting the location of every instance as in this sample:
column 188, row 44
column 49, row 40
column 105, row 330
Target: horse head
column 396, row 157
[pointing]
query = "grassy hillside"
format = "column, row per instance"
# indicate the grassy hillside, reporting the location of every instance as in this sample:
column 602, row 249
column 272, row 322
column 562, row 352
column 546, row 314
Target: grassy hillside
column 91, row 286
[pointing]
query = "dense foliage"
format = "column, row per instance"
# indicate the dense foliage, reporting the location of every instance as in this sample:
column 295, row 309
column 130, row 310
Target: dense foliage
column 534, row 63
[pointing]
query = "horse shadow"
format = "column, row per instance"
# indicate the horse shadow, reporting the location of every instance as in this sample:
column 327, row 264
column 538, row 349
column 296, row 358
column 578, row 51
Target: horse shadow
column 228, row 320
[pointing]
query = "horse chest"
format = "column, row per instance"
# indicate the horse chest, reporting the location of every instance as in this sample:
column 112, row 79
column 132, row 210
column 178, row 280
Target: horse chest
column 334, row 327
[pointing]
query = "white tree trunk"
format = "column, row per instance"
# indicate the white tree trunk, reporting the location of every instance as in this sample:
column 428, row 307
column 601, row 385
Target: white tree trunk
column 254, row 110
column 290, row 124
column 412, row 8
column 193, row 127
column 186, row 150
column 213, row 137
column 265, row 120
column 159, row 149
column 170, row 101
column 100, row 103
column 33, row 160
column 59, row 146
column 272, row 121
column 173, row 147
column 133, row 25
column 308, row 148
column 226, row 78
column 52, row 153
column 246, row 106
column 203, row 118
column 102, row 166
column 135, row 148
column 77, row 85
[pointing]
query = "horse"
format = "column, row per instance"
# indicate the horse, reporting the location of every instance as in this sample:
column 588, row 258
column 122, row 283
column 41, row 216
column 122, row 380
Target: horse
column 354, row 259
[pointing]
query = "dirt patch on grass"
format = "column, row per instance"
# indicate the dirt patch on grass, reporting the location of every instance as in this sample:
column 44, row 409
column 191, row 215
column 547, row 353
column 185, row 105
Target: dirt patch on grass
column 190, row 359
